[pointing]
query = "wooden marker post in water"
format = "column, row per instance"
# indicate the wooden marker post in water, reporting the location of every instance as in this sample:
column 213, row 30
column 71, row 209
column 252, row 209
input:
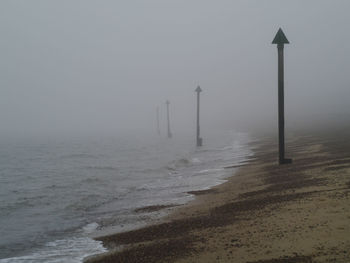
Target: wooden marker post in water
column 168, row 119
column 280, row 39
column 158, row 127
column 199, row 139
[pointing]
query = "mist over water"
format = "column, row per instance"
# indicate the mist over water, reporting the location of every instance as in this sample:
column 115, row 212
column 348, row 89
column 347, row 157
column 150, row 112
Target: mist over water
column 86, row 68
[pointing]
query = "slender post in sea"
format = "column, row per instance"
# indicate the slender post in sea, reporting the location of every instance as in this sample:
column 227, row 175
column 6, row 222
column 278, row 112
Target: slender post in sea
column 280, row 39
column 199, row 139
column 158, row 127
column 168, row 119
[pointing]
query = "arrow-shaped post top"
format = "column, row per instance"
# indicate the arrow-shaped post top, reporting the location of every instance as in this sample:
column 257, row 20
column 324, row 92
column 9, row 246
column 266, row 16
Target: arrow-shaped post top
column 280, row 38
column 198, row 89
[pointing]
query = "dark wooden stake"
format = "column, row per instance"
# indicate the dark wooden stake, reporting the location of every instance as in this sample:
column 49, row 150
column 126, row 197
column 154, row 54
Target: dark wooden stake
column 280, row 39
column 158, row 126
column 168, row 119
column 199, row 139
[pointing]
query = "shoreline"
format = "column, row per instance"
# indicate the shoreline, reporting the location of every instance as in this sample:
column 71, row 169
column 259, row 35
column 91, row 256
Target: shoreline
column 264, row 213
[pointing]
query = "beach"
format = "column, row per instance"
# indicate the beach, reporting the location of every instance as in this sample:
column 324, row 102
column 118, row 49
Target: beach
column 265, row 213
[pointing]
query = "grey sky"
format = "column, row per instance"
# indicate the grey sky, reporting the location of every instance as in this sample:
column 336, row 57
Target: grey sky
column 104, row 66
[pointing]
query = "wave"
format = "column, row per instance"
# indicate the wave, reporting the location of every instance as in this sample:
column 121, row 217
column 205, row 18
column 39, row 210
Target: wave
column 21, row 203
column 210, row 170
column 195, row 160
column 72, row 250
column 109, row 168
column 86, row 203
column 89, row 228
column 226, row 148
column 183, row 162
column 93, row 180
column 78, row 155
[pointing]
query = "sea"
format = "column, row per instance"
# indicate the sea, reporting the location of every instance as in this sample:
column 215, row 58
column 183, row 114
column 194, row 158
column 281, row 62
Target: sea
column 56, row 194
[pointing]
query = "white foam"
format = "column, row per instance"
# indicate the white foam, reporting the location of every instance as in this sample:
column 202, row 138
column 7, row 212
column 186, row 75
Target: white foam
column 89, row 228
column 211, row 170
column 72, row 250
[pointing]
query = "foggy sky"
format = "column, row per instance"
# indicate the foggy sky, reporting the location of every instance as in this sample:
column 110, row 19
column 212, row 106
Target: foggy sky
column 104, row 66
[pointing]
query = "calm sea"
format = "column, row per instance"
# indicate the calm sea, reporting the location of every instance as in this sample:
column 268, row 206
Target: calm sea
column 55, row 194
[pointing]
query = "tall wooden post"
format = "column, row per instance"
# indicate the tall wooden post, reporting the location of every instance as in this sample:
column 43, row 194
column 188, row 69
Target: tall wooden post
column 280, row 39
column 198, row 138
column 158, row 126
column 168, row 119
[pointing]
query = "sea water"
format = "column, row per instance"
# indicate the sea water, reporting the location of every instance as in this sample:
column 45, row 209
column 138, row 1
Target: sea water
column 56, row 193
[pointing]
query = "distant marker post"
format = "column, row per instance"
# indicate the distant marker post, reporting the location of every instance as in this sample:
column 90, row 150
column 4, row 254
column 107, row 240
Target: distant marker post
column 168, row 118
column 280, row 39
column 199, row 139
column 158, row 127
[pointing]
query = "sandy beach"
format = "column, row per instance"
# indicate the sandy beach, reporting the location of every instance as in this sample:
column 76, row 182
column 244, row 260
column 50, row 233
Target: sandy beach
column 265, row 213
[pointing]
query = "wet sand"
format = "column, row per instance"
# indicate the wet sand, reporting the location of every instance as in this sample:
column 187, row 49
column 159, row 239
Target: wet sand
column 266, row 213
